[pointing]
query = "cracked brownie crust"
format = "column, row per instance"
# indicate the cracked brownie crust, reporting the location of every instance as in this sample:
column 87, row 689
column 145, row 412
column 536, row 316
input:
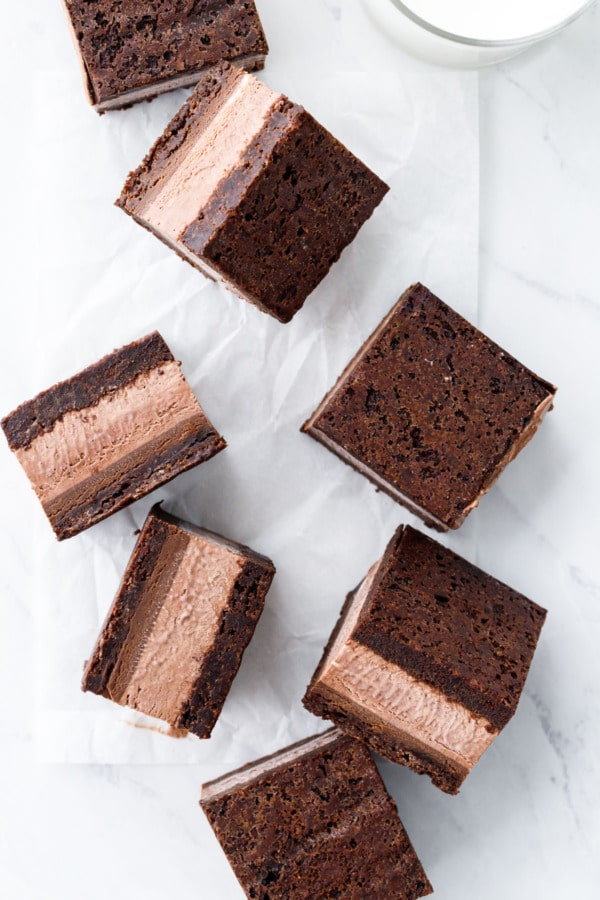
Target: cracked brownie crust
column 135, row 49
column 314, row 821
column 431, row 410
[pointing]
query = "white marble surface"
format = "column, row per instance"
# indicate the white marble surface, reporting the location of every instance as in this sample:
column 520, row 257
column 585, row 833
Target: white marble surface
column 527, row 822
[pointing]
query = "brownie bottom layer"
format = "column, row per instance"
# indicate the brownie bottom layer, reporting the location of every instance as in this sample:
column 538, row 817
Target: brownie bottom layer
column 403, row 749
column 252, row 63
column 221, row 665
column 126, row 481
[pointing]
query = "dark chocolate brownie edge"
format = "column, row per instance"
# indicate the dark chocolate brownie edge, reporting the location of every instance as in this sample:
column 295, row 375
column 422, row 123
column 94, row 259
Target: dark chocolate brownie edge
column 321, row 408
column 421, row 886
column 221, row 665
column 200, row 266
column 129, row 485
column 172, row 246
column 85, row 73
column 513, row 448
column 100, row 666
column 85, row 389
column 127, row 99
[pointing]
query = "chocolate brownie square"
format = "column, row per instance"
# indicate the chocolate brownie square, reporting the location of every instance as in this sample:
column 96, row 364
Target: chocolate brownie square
column 111, row 434
column 183, row 616
column 431, row 410
column 132, row 50
column 314, row 821
column 252, row 191
column 428, row 660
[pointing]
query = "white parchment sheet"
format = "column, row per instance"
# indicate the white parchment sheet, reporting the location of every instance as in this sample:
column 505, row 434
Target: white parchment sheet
column 100, row 281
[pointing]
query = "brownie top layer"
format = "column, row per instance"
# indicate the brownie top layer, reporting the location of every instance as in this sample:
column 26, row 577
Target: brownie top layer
column 84, row 390
column 320, row 825
column 431, row 405
column 451, row 625
column 127, row 44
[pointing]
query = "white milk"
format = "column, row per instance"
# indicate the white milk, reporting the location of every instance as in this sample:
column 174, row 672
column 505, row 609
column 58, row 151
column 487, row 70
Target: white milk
column 472, row 33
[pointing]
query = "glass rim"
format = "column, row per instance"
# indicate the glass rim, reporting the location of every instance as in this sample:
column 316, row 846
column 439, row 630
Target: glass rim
column 485, row 42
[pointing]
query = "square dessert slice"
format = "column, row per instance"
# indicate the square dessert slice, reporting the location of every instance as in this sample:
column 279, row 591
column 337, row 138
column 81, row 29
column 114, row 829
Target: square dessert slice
column 110, row 435
column 184, row 614
column 251, row 190
column 428, row 660
column 314, row 821
column 132, row 50
column 431, row 410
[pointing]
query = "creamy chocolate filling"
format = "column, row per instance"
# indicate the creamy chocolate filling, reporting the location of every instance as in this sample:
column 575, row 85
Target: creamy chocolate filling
column 174, row 626
column 200, row 164
column 133, row 475
column 84, row 443
column 403, row 705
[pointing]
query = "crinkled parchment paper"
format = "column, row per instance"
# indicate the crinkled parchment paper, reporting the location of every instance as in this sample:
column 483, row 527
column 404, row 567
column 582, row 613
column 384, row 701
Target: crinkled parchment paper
column 101, row 281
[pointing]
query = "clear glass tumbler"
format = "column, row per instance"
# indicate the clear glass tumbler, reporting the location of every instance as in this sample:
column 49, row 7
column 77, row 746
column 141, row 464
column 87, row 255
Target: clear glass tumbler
column 472, row 33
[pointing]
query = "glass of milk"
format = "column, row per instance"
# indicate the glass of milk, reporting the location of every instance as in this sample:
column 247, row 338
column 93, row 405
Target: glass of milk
column 472, row 33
